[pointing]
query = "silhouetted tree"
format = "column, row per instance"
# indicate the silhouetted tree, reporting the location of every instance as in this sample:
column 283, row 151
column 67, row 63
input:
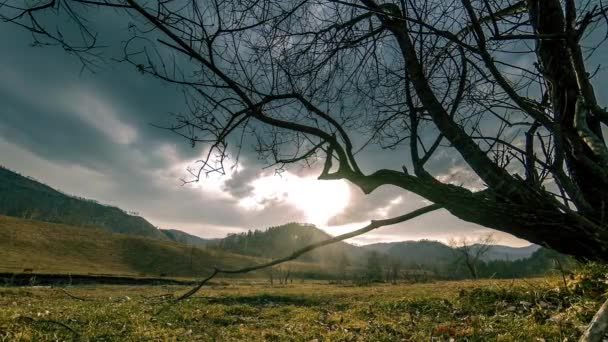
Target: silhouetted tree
column 503, row 86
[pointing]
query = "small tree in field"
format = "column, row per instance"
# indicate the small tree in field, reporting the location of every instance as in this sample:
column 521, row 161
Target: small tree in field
column 502, row 88
column 472, row 252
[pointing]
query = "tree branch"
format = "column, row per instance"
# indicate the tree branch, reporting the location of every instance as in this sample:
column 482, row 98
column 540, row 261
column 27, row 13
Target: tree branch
column 375, row 224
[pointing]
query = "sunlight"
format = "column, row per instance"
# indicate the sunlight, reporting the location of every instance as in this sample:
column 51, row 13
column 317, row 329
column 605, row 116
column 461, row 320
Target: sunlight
column 318, row 200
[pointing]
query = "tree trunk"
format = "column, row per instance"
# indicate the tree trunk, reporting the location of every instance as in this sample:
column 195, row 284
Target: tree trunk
column 555, row 58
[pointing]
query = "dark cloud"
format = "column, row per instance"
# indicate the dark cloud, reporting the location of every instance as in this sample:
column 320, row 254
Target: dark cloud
column 239, row 185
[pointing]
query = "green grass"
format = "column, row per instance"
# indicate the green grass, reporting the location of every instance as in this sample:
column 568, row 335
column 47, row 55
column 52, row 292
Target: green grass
column 531, row 310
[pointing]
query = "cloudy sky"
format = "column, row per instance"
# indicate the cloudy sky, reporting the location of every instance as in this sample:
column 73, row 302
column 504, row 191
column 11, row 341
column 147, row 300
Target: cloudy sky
column 91, row 135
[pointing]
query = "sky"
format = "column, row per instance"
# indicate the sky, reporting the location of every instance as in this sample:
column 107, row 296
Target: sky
column 94, row 136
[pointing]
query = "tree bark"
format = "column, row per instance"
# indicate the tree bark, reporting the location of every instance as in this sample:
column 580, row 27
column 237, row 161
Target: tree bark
column 596, row 331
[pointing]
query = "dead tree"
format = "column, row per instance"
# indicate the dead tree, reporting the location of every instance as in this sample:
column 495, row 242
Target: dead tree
column 503, row 86
column 472, row 252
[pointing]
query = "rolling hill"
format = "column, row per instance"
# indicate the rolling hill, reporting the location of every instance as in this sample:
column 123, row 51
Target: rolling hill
column 45, row 247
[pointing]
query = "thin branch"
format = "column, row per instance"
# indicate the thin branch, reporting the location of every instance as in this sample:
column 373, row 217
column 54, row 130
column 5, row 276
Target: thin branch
column 374, row 224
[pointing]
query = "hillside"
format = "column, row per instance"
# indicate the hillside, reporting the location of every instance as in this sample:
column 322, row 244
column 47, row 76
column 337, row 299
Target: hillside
column 44, row 247
column 57, row 248
column 27, row 198
column 185, row 238
column 282, row 240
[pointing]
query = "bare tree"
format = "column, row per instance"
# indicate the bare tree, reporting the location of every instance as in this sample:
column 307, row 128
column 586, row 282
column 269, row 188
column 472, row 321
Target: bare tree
column 504, row 86
column 472, row 252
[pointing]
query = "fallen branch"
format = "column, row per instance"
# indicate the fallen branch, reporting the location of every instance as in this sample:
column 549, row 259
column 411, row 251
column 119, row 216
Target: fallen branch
column 598, row 327
column 374, row 224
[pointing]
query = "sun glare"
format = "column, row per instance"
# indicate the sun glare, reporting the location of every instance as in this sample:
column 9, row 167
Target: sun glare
column 318, row 200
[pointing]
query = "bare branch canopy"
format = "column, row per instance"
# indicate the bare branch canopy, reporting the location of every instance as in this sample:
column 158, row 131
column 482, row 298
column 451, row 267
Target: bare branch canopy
column 508, row 88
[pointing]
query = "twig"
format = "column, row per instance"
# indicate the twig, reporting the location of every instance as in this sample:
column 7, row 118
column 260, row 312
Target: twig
column 73, row 296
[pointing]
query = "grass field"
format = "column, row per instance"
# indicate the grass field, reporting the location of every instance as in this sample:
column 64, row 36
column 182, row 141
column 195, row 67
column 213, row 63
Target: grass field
column 488, row 310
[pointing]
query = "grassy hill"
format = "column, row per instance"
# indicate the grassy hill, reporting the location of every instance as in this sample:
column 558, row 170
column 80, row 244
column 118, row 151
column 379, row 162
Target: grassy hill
column 57, row 248
column 25, row 197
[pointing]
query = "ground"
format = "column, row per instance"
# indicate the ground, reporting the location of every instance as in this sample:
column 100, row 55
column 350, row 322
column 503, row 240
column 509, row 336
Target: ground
column 487, row 310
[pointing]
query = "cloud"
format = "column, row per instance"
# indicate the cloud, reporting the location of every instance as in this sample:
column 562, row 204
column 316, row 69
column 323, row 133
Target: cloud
column 240, row 184
column 98, row 113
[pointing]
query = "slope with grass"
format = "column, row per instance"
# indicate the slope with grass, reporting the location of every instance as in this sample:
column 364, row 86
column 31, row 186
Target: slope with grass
column 56, row 248
column 43, row 247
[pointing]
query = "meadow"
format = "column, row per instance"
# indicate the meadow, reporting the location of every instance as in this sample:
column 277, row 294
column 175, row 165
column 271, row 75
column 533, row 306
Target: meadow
column 539, row 309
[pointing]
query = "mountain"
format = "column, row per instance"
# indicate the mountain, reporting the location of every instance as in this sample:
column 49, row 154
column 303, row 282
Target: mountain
column 423, row 252
column 188, row 239
column 25, row 197
column 499, row 252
